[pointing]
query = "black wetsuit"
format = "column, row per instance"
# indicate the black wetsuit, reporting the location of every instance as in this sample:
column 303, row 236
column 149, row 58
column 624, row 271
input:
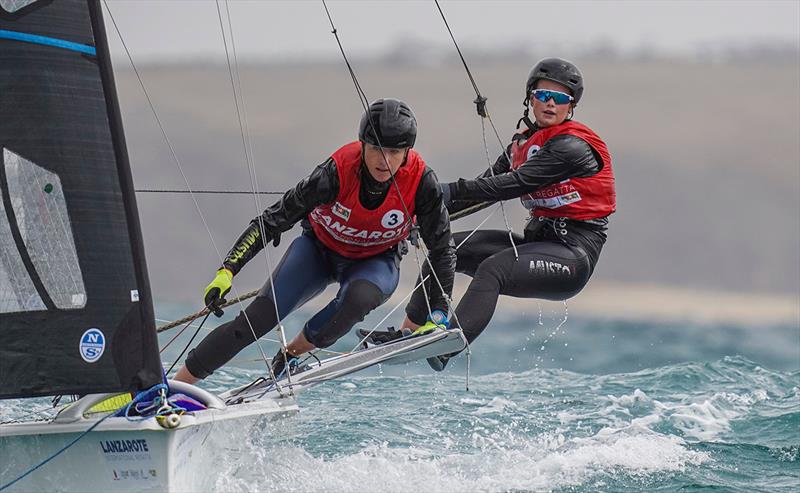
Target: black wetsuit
column 556, row 255
column 308, row 266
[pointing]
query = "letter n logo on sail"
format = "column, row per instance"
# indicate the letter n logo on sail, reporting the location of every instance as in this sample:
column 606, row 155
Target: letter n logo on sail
column 92, row 345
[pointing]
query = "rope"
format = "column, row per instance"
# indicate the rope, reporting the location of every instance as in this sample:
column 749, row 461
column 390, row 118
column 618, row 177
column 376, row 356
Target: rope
column 171, row 148
column 480, row 101
column 194, row 316
column 165, row 346
column 362, row 97
column 205, row 311
column 244, row 131
column 59, row 452
column 166, row 139
column 73, row 442
column 483, row 112
column 188, row 343
column 161, row 126
column 216, row 192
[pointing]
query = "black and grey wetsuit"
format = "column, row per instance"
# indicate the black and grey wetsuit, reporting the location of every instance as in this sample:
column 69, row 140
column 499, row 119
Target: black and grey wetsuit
column 556, row 255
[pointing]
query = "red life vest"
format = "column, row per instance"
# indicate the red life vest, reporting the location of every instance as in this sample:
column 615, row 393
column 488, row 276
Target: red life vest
column 575, row 198
column 352, row 231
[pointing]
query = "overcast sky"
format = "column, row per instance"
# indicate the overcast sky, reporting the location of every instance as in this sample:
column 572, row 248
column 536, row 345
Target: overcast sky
column 169, row 29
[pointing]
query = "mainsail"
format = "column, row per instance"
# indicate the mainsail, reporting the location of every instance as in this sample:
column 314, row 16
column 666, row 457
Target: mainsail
column 76, row 312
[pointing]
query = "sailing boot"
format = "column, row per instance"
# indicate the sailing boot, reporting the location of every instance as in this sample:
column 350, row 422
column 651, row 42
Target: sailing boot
column 383, row 336
column 438, row 362
column 279, row 363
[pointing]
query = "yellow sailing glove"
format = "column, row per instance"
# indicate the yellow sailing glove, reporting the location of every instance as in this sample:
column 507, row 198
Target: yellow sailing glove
column 215, row 292
column 438, row 319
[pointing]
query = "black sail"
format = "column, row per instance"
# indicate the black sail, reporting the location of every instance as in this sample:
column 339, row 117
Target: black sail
column 76, row 313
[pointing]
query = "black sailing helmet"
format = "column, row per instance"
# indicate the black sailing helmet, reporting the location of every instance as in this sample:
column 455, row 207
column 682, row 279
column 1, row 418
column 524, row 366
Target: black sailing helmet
column 392, row 120
column 557, row 70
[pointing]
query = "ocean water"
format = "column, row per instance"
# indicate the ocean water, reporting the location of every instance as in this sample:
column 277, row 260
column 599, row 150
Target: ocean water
column 556, row 405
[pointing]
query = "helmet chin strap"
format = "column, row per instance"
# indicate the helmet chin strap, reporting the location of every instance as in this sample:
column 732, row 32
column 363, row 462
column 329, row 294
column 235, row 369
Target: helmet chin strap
column 525, row 118
column 530, row 124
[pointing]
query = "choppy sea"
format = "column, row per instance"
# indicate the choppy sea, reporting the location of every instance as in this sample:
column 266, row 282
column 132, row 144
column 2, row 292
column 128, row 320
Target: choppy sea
column 573, row 405
column 558, row 405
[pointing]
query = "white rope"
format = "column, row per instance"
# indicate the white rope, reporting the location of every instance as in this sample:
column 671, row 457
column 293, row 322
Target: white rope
column 177, row 161
column 389, row 314
column 241, row 113
column 163, row 132
column 406, row 297
column 491, row 170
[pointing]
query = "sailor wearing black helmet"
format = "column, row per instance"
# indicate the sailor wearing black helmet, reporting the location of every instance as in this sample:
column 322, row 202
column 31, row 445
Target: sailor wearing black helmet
column 561, row 171
column 356, row 209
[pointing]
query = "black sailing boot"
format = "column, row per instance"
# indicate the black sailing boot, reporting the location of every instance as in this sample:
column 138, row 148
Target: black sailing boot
column 383, row 336
column 279, row 362
column 438, row 362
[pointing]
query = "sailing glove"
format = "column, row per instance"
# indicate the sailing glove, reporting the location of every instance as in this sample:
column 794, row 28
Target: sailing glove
column 215, row 292
column 437, row 319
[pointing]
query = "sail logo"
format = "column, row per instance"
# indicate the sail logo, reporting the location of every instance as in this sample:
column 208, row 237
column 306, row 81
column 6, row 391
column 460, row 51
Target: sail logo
column 92, row 345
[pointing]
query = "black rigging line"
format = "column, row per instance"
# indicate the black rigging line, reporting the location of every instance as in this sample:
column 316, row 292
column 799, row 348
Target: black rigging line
column 480, row 101
column 219, row 192
column 362, row 97
column 188, row 344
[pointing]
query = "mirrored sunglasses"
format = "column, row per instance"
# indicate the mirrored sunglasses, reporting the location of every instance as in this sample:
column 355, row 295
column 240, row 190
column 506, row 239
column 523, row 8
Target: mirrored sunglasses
column 545, row 95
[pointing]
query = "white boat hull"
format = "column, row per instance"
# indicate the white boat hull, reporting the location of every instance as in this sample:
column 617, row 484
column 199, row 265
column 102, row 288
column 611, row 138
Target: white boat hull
column 121, row 455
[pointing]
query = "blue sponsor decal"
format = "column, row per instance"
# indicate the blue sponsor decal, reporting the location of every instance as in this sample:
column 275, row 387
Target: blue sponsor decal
column 93, row 343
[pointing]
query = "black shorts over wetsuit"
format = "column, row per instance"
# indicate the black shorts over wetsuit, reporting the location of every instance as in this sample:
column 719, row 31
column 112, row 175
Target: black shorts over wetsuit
column 556, row 255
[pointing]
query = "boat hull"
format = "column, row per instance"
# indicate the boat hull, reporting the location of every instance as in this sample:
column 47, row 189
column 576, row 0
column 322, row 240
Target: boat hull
column 121, row 455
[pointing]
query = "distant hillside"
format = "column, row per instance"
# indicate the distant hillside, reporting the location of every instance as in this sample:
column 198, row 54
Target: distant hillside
column 707, row 158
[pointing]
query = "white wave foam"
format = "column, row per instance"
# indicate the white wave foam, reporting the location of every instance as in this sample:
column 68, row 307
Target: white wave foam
column 496, row 406
column 536, row 464
column 703, row 420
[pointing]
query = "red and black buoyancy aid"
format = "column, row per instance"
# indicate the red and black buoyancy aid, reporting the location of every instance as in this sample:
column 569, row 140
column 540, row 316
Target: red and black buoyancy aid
column 352, row 231
column 586, row 198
